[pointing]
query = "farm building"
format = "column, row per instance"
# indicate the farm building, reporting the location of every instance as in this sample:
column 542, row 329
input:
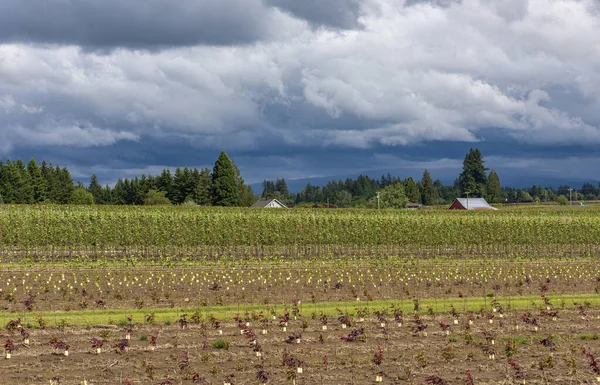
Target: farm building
column 471, row 204
column 413, row 206
column 268, row 204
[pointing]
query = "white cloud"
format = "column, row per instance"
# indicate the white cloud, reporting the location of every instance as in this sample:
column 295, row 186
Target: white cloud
column 411, row 74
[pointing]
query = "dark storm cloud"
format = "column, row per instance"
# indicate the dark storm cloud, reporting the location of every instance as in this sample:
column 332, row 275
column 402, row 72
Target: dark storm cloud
column 412, row 86
column 333, row 13
column 133, row 23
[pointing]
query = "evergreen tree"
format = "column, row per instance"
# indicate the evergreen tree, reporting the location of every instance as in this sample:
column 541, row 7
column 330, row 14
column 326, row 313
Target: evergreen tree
column 493, row 188
column 202, row 194
column 22, row 187
column 225, row 186
column 412, row 190
column 268, row 189
column 473, row 179
column 246, row 195
column 428, row 190
column 183, row 185
column 281, row 186
column 96, row 190
column 165, row 183
column 38, row 183
column 64, row 185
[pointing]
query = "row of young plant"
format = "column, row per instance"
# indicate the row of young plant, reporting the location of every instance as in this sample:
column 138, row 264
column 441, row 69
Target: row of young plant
column 58, row 230
column 65, row 288
column 494, row 336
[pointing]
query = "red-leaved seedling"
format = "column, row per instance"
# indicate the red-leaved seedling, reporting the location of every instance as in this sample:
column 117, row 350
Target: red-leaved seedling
column 378, row 357
column 183, row 361
column 60, row 345
column 436, row 381
column 354, row 335
column 9, row 347
column 592, row 361
column 97, row 345
column 468, row 378
column 517, row 371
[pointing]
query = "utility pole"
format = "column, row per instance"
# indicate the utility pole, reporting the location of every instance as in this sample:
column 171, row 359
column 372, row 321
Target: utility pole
column 467, row 192
column 570, row 197
column 377, row 200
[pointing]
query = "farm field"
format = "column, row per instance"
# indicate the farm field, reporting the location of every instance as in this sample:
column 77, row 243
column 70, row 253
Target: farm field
column 511, row 296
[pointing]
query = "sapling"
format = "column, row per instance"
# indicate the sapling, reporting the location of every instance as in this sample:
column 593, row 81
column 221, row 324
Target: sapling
column 60, row 345
column 283, row 321
column 25, row 335
column 183, row 361
column 216, row 324
column 361, row 313
column 153, row 339
column 528, row 319
column 167, row 381
column 28, row 302
column 355, row 335
column 122, row 346
column 445, row 328
column 9, row 347
column 516, row 370
column 469, row 378
column 594, row 366
column 97, row 345
column 420, row 326
column 129, row 328
column 262, row 375
column 343, row 318
column 455, row 314
column 183, row 322
column 377, row 361
column 294, row 338
column 323, row 319
column 548, row 342
column 436, row 380
column 13, row 325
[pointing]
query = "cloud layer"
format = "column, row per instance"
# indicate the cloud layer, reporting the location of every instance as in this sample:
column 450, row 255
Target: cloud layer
column 284, row 78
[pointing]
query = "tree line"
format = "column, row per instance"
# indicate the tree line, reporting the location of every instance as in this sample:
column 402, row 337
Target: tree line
column 395, row 192
column 32, row 183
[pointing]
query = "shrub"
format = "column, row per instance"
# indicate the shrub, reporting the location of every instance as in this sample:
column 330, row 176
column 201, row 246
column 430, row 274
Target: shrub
column 220, row 344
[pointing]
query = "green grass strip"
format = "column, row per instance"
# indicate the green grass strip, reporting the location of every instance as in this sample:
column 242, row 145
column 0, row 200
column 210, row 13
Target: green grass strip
column 227, row 312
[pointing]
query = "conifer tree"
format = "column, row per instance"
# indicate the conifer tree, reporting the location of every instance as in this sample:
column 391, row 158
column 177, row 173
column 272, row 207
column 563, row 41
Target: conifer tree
column 96, row 190
column 412, row 190
column 493, row 188
column 225, row 186
column 473, row 180
column 428, row 190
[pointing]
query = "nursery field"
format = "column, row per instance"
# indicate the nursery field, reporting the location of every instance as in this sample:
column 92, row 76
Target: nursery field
column 237, row 296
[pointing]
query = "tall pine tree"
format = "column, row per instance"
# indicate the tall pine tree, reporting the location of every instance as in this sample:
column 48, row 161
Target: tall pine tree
column 225, row 186
column 412, row 190
column 493, row 188
column 428, row 190
column 473, row 180
column 38, row 183
column 202, row 193
column 96, row 190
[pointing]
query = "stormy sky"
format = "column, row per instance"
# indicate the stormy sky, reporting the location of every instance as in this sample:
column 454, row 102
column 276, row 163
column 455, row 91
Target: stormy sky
column 300, row 89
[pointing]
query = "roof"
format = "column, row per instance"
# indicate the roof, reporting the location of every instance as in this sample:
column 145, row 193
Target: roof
column 475, row 204
column 268, row 203
column 413, row 205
